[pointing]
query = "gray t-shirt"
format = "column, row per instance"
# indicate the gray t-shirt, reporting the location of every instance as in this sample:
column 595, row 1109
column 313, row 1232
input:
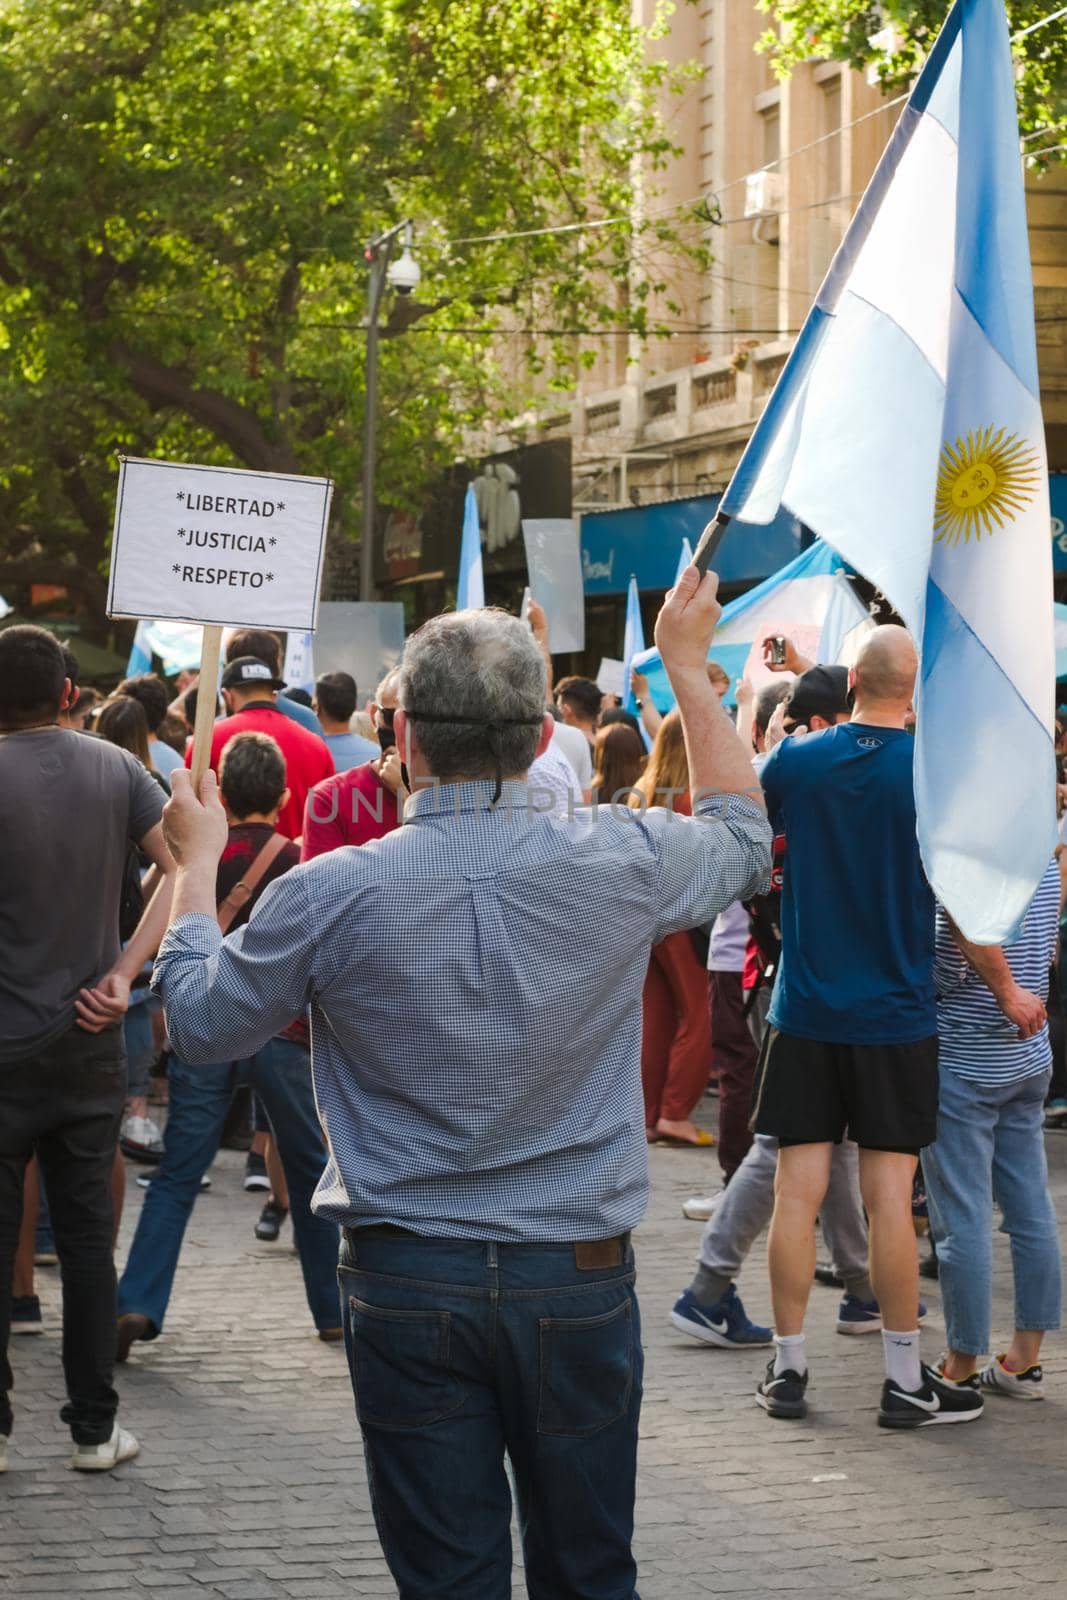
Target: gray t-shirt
column 69, row 807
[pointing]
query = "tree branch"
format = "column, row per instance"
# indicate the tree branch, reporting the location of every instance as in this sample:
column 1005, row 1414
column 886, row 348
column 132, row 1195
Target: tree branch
column 235, row 424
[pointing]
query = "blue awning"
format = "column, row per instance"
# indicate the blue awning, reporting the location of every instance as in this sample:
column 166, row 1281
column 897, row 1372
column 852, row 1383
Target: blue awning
column 646, row 540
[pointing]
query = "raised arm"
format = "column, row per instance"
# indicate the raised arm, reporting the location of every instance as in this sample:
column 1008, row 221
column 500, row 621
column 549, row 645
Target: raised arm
column 225, row 998
column 718, row 761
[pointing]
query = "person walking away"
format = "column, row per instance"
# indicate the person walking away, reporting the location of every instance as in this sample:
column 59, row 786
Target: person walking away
column 250, row 691
column 151, row 694
column 852, row 1039
column 995, row 1067
column 487, row 1266
column 618, row 762
column 254, row 859
column 336, row 698
column 69, row 809
column 675, row 1033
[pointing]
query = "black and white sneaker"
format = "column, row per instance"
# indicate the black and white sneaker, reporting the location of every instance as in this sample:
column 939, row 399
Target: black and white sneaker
column 782, row 1396
column 937, row 1401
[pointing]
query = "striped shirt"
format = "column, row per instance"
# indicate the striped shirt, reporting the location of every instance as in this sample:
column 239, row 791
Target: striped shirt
column 975, row 1038
column 475, row 983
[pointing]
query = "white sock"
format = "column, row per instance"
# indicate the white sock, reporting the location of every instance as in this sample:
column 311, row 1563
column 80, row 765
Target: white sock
column 902, row 1360
column 789, row 1354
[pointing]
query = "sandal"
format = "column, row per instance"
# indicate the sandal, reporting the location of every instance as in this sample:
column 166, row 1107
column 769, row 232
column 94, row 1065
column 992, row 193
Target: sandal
column 703, row 1141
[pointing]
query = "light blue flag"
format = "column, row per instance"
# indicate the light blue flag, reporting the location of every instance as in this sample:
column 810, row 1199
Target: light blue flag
column 809, row 593
column 906, row 431
column 685, row 559
column 470, row 590
column 633, row 642
column 140, row 653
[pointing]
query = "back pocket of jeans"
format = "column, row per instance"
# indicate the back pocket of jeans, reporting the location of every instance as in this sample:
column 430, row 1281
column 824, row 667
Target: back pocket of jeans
column 400, row 1366
column 587, row 1371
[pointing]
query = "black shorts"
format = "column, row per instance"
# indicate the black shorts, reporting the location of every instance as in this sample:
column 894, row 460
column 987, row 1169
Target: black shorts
column 885, row 1095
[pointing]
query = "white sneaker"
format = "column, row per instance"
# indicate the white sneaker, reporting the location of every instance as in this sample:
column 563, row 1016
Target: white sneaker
column 1028, row 1385
column 122, row 1446
column 141, row 1137
column 700, row 1207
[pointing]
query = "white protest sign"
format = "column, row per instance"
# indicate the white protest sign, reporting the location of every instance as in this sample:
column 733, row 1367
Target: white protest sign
column 611, row 676
column 554, row 564
column 218, row 545
column 299, row 668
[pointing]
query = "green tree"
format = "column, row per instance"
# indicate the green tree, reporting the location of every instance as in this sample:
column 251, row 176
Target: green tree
column 185, row 196
column 895, row 36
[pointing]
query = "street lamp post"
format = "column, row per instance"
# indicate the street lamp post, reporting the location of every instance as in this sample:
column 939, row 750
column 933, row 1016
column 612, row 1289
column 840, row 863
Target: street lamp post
column 403, row 274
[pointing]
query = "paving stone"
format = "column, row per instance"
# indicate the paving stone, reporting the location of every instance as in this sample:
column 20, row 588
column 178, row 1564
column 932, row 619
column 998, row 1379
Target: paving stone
column 251, row 1484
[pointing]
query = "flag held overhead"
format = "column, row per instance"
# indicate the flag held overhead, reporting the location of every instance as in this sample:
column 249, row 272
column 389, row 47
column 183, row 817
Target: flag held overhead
column 906, row 431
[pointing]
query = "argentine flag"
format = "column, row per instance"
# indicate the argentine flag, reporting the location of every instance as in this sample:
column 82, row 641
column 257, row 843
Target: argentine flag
column 470, row 590
column 906, row 431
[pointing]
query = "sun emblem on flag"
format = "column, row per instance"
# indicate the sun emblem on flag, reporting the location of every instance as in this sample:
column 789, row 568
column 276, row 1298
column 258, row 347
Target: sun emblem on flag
column 983, row 483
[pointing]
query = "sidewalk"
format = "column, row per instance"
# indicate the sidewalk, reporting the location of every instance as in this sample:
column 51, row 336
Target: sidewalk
column 250, row 1485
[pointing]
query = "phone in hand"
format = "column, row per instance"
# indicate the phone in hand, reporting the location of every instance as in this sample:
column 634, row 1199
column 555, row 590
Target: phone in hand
column 778, row 650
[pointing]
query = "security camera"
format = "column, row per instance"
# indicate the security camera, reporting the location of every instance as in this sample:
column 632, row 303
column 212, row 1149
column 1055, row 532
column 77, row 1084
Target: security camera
column 404, row 273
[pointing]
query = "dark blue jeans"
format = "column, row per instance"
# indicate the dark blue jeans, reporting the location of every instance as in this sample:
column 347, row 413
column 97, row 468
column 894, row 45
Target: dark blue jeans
column 462, row 1353
column 64, row 1104
column 199, row 1100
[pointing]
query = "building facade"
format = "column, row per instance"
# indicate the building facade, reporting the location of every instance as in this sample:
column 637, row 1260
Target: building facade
column 769, row 173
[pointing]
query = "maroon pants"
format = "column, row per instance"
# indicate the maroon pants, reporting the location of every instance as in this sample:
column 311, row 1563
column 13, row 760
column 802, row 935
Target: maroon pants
column 676, row 1036
column 733, row 1056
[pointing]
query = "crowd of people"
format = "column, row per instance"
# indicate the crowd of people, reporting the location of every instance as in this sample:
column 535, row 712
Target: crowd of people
column 561, row 928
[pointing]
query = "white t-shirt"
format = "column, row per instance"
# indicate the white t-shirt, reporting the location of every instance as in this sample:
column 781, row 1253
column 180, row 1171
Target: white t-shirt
column 572, row 743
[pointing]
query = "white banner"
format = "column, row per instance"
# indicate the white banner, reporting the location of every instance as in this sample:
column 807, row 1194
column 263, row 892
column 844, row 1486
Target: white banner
column 554, row 564
column 218, row 545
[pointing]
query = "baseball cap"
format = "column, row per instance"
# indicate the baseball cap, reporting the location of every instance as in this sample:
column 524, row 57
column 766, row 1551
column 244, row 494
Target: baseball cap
column 246, row 670
column 819, row 692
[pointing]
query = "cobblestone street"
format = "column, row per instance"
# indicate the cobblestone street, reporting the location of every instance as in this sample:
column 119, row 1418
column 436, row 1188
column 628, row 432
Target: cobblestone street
column 250, row 1484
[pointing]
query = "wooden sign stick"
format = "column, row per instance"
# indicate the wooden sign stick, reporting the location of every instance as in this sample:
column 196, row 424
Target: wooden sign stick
column 206, row 701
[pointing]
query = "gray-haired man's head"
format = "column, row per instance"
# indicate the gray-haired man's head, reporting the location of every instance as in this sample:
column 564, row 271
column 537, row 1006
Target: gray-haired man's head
column 485, row 669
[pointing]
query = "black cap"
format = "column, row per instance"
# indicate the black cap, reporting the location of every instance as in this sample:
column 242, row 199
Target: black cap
column 248, row 672
column 819, row 692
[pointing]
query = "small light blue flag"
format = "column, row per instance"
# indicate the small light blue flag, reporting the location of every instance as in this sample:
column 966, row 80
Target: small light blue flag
column 906, row 431
column 140, row 653
column 633, row 642
column 685, row 559
column 470, row 590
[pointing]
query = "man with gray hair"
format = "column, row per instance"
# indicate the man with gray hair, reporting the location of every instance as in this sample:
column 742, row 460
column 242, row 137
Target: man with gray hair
column 475, row 989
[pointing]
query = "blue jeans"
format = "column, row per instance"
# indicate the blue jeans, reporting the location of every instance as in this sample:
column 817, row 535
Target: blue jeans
column 462, row 1353
column 140, row 1047
column 990, row 1147
column 198, row 1102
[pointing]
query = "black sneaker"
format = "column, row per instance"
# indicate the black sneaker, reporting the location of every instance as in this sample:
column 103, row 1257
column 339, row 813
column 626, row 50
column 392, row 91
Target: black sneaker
column 782, row 1396
column 937, row 1401
column 26, row 1314
column 270, row 1221
column 256, row 1172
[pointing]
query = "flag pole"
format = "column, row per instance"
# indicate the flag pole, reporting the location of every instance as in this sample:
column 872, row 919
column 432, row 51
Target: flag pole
column 206, row 700
column 710, row 541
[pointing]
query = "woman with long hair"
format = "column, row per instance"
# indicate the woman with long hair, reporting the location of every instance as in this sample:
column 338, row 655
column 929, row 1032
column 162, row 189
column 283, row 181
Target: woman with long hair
column 122, row 721
column 676, row 1036
column 619, row 760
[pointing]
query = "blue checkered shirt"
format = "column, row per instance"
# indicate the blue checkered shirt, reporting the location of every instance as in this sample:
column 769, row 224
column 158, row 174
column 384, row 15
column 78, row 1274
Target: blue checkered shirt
column 475, row 986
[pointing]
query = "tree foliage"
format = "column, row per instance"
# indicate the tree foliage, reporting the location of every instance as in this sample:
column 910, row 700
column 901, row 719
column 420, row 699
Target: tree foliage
column 895, row 36
column 185, row 196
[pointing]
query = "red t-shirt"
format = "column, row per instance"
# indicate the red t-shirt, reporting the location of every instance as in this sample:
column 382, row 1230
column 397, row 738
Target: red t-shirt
column 307, row 757
column 350, row 808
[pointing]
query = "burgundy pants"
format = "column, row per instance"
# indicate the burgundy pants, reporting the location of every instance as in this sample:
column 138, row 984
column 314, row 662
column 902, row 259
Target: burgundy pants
column 733, row 1056
column 676, row 1037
